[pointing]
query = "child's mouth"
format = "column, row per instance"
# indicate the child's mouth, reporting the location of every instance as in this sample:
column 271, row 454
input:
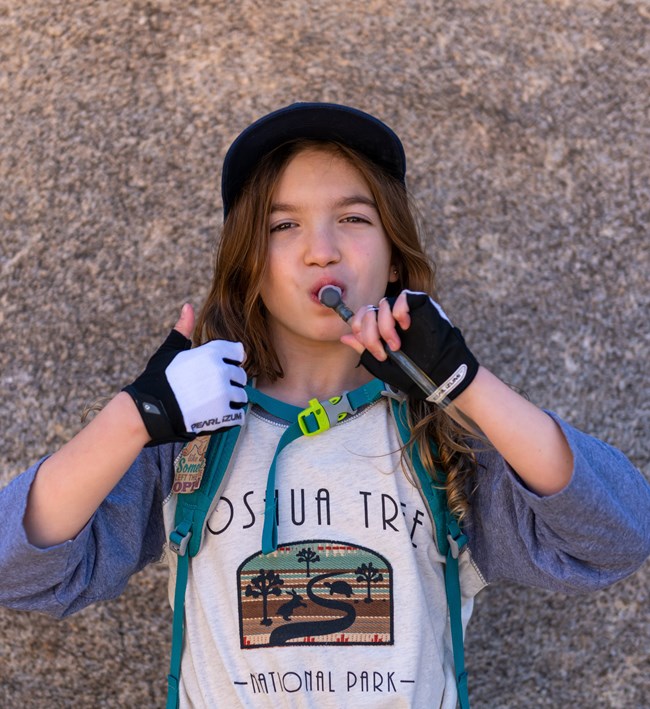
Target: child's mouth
column 316, row 291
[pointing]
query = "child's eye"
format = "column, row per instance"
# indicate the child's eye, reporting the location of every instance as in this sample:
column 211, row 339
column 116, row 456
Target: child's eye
column 282, row 226
column 356, row 220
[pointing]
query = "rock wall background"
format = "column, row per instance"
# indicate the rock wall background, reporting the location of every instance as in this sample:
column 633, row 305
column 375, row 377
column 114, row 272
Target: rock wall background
column 526, row 128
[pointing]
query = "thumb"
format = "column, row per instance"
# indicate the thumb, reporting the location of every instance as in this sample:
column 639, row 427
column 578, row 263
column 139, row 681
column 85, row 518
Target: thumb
column 185, row 322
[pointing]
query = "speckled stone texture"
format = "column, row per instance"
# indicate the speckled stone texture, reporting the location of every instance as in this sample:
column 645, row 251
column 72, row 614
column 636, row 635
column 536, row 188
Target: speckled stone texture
column 526, row 127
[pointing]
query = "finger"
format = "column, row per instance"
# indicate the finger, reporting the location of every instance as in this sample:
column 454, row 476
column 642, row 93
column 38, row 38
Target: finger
column 236, row 375
column 386, row 323
column 356, row 321
column 353, row 342
column 226, row 350
column 185, row 322
column 369, row 334
column 238, row 397
column 362, row 325
column 401, row 311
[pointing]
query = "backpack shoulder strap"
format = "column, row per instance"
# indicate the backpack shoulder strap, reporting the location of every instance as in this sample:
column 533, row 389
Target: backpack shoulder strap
column 434, row 493
column 185, row 540
column 450, row 540
column 192, row 508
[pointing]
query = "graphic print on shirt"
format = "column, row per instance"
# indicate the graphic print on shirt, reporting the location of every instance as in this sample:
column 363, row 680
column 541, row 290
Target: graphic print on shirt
column 189, row 466
column 319, row 591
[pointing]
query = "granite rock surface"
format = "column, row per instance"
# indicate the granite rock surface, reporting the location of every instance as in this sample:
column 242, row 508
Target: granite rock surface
column 526, row 129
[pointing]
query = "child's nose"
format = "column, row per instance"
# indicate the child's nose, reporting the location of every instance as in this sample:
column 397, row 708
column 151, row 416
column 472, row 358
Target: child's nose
column 322, row 246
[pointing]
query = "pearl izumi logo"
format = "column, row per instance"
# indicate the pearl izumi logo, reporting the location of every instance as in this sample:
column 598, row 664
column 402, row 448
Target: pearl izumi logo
column 445, row 389
column 217, row 422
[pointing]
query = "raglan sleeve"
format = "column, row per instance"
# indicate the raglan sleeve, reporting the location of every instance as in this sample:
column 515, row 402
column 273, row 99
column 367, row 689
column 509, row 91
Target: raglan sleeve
column 125, row 534
column 591, row 534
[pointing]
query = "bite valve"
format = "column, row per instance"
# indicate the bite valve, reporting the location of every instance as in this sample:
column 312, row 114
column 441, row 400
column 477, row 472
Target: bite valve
column 330, row 296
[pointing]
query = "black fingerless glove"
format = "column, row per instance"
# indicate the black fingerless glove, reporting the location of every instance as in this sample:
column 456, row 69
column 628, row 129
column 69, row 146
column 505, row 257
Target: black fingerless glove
column 154, row 397
column 435, row 345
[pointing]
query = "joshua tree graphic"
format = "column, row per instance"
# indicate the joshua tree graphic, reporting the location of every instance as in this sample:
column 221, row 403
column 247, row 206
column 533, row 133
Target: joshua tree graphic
column 368, row 573
column 308, row 556
column 266, row 584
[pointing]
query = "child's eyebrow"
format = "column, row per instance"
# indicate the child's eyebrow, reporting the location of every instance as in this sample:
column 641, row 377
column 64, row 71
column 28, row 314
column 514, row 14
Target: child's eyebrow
column 356, row 199
column 283, row 207
column 342, row 202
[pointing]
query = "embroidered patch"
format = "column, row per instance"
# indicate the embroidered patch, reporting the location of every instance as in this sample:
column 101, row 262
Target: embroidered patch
column 320, row 592
column 189, row 466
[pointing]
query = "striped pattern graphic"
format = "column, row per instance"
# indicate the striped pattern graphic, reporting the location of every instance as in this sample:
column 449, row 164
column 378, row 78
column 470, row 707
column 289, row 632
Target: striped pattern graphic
column 320, row 592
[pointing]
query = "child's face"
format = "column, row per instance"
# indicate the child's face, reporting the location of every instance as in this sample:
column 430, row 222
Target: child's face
column 324, row 229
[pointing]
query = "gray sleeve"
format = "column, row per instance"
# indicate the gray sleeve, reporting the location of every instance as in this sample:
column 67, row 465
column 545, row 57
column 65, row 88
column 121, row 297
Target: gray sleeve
column 125, row 534
column 591, row 534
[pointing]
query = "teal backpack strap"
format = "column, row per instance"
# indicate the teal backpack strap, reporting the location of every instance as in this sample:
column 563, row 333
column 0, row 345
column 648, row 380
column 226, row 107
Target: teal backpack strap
column 319, row 416
column 450, row 541
column 178, row 629
column 185, row 541
column 456, row 541
column 192, row 509
column 288, row 413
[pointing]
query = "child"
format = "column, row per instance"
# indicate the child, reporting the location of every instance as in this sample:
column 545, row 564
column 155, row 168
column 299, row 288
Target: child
column 319, row 580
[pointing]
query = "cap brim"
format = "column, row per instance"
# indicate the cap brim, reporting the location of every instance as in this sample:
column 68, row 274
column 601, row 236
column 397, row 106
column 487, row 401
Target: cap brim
column 320, row 121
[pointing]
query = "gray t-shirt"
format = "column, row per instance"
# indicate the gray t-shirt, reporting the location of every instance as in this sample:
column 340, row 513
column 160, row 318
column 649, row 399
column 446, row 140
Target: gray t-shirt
column 351, row 608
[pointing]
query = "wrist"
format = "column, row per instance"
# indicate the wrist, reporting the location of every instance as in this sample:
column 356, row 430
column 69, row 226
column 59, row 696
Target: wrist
column 483, row 386
column 127, row 410
column 155, row 417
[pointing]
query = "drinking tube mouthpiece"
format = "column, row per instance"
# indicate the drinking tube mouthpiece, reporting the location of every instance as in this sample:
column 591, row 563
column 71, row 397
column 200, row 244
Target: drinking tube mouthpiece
column 331, row 297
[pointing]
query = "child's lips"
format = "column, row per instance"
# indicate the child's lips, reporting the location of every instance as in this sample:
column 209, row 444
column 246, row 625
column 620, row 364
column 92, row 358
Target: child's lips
column 321, row 284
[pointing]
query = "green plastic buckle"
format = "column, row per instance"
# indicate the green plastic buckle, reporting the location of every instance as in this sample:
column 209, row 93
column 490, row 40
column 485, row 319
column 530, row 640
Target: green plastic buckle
column 316, row 409
column 326, row 414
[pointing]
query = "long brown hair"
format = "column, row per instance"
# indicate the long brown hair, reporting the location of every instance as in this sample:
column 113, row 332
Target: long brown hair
column 234, row 310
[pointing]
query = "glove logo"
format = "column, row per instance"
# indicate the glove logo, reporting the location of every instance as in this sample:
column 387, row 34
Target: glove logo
column 444, row 389
column 212, row 424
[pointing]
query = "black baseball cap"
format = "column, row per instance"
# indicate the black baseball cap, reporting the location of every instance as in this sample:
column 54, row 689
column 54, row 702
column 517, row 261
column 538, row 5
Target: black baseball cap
column 321, row 121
